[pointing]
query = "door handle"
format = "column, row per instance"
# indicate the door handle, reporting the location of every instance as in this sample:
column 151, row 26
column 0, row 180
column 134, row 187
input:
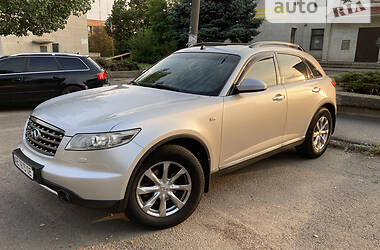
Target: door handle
column 278, row 98
column 316, row 89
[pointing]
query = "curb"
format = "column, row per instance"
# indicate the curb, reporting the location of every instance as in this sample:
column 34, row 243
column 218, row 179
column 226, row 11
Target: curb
column 358, row 100
column 124, row 74
column 358, row 104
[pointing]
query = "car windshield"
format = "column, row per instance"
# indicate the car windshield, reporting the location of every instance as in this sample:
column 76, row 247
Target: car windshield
column 195, row 73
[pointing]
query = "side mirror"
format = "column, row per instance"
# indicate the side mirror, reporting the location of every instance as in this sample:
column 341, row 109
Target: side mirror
column 251, row 85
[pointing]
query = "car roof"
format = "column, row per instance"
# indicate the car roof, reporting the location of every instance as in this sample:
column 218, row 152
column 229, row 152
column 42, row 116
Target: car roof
column 46, row 54
column 246, row 50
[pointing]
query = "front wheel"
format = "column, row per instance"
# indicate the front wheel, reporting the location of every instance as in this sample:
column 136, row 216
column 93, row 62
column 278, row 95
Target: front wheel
column 167, row 188
column 318, row 135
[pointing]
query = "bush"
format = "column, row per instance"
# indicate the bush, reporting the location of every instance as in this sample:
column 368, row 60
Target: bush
column 123, row 65
column 362, row 83
column 145, row 48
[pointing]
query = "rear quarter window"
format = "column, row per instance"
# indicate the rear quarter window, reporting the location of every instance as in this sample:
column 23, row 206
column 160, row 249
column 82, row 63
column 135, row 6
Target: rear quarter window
column 316, row 73
column 68, row 63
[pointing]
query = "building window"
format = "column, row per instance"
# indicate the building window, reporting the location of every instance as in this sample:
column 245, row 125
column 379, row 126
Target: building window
column 317, row 39
column 293, row 35
column 55, row 47
column 345, row 45
column 43, row 48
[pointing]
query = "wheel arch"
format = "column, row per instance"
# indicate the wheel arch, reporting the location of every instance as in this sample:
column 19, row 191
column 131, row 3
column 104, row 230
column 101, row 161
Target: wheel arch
column 79, row 85
column 191, row 143
column 332, row 110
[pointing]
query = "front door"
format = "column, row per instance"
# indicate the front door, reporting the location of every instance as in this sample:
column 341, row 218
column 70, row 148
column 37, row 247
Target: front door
column 367, row 49
column 254, row 122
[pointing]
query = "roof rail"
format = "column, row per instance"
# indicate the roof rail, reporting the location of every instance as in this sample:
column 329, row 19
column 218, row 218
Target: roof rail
column 274, row 43
column 45, row 54
column 217, row 44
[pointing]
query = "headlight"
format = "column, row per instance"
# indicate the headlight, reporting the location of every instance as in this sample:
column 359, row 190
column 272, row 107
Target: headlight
column 82, row 142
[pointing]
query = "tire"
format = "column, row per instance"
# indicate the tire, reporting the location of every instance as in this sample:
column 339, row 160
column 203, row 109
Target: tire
column 71, row 89
column 315, row 145
column 180, row 163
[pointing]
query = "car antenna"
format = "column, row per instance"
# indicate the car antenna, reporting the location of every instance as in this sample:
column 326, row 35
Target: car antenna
column 203, row 47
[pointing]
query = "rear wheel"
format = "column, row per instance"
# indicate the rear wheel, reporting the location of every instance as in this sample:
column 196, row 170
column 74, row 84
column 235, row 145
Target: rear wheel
column 71, row 89
column 318, row 135
column 167, row 188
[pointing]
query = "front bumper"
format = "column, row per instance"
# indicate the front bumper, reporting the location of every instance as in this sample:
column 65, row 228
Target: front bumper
column 87, row 177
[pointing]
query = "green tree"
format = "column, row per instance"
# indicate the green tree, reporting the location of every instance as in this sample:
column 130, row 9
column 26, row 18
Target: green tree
column 219, row 20
column 100, row 42
column 18, row 17
column 127, row 17
column 142, row 27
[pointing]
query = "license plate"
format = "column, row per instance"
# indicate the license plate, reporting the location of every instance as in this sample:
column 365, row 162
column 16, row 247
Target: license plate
column 23, row 167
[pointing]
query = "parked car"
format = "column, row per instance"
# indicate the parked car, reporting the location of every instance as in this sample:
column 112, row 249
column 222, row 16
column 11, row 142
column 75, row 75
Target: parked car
column 37, row 77
column 149, row 148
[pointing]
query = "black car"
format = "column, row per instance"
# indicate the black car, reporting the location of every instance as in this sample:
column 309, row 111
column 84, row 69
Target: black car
column 34, row 78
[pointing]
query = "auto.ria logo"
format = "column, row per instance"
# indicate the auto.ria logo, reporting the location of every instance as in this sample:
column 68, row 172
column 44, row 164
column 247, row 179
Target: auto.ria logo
column 318, row 11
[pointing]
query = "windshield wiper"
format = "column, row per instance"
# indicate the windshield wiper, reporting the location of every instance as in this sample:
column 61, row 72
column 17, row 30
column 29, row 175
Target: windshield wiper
column 160, row 86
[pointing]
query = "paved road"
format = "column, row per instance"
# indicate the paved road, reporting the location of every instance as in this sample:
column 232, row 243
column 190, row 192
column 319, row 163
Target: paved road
column 358, row 129
column 282, row 202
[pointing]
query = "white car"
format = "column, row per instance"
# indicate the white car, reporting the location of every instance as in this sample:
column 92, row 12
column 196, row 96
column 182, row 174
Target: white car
column 149, row 148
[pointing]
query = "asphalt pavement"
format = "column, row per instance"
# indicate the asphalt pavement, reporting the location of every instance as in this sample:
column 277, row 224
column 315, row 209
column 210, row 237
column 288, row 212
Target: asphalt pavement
column 356, row 129
column 281, row 202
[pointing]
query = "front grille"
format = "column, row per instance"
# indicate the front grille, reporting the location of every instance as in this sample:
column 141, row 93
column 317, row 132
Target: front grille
column 43, row 137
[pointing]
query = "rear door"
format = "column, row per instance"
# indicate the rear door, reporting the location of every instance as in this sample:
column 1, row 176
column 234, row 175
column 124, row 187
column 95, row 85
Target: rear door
column 253, row 123
column 74, row 70
column 12, row 86
column 302, row 92
column 42, row 80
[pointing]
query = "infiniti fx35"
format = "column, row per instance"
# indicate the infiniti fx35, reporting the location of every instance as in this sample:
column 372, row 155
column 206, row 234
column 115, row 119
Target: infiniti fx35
column 148, row 148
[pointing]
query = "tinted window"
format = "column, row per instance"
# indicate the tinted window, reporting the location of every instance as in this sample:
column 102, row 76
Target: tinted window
column 292, row 68
column 12, row 65
column 40, row 64
column 265, row 71
column 197, row 73
column 314, row 70
column 70, row 63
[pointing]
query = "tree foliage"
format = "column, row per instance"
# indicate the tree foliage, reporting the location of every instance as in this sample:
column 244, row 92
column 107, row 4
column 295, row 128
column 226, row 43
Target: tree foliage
column 100, row 42
column 219, row 20
column 142, row 27
column 18, row 17
column 127, row 17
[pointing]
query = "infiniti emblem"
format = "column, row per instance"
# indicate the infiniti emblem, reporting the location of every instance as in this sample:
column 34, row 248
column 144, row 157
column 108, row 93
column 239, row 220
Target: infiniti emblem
column 35, row 133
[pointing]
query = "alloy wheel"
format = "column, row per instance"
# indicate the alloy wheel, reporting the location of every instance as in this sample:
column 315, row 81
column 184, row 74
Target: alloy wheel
column 163, row 189
column 321, row 134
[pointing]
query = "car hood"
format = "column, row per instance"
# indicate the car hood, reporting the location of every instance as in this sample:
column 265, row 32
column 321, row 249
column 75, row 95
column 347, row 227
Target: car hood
column 101, row 109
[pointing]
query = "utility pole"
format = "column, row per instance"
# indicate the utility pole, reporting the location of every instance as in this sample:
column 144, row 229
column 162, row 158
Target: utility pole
column 194, row 22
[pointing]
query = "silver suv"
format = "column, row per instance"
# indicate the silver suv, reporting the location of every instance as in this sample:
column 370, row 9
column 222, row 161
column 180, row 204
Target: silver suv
column 150, row 147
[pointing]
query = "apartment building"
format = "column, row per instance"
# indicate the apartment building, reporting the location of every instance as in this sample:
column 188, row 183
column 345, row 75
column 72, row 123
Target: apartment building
column 333, row 42
column 72, row 39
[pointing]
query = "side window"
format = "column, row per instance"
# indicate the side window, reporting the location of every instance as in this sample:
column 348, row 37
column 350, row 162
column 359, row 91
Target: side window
column 292, row 68
column 41, row 64
column 314, row 70
column 68, row 63
column 263, row 70
column 12, row 65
